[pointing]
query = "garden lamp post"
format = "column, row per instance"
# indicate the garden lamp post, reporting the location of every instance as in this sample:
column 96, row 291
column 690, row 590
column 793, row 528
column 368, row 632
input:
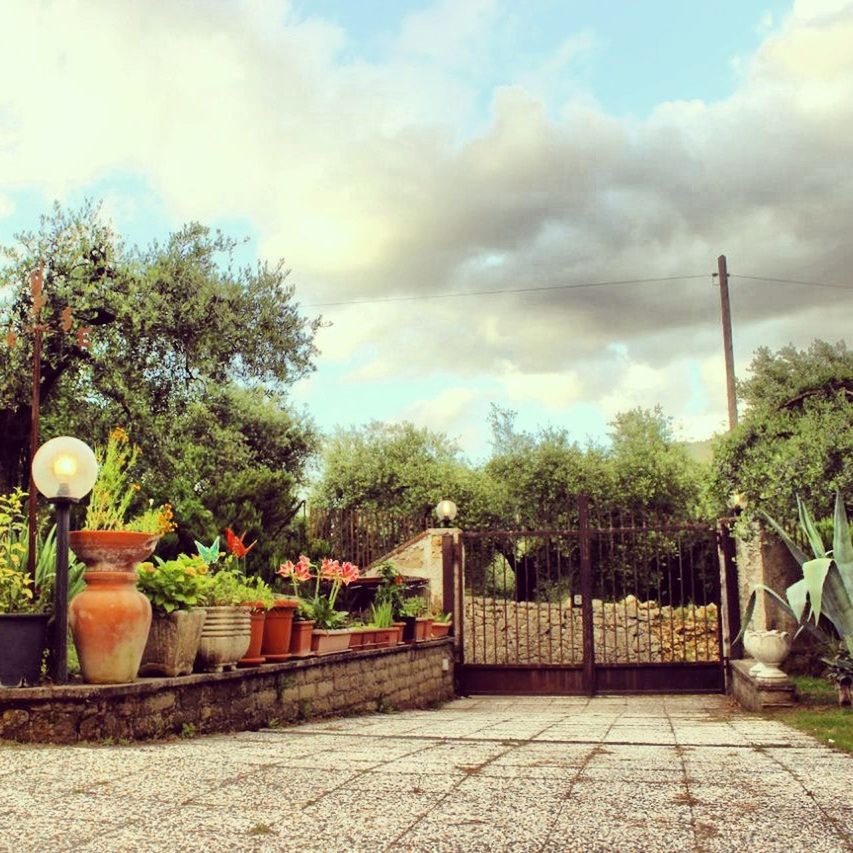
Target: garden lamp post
column 445, row 512
column 64, row 471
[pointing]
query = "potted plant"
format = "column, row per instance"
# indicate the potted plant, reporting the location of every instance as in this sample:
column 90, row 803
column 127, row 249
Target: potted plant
column 416, row 624
column 825, row 589
column 110, row 618
column 329, row 634
column 440, row 625
column 382, row 619
column 391, row 591
column 174, row 588
column 258, row 599
column 296, row 643
column 23, row 616
column 227, row 633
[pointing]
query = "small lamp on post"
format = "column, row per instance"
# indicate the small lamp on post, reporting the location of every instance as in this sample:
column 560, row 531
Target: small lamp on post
column 64, row 471
column 445, row 512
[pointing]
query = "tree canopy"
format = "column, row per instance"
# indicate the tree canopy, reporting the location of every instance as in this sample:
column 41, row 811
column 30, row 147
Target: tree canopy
column 796, row 434
column 189, row 351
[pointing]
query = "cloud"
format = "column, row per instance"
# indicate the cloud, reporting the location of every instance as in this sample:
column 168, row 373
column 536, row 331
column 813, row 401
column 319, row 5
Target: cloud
column 384, row 177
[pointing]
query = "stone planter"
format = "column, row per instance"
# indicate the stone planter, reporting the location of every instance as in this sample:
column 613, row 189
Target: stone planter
column 173, row 643
column 330, row 642
column 300, row 638
column 23, row 639
column 224, row 638
column 769, row 648
column 278, row 629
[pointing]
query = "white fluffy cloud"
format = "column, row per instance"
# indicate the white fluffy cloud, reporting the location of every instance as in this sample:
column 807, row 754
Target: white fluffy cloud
column 379, row 178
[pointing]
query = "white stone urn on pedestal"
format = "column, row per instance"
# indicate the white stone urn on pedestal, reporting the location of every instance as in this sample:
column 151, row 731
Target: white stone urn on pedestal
column 769, row 649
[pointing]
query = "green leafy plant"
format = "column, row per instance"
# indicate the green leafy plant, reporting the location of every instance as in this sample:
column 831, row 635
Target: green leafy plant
column 223, row 589
column 826, row 587
column 382, row 614
column 173, row 584
column 258, row 592
column 442, row 618
column 391, row 588
column 414, row 605
column 17, row 594
column 114, row 491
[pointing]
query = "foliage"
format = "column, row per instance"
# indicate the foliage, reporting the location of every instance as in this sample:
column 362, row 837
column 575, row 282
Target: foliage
column 46, row 568
column 391, row 588
column 224, row 588
column 114, row 491
column 382, row 614
column 258, row 592
column 173, row 584
column 796, row 434
column 193, row 350
column 328, row 579
column 826, row 587
column 839, row 670
column 443, row 618
column 413, row 606
column 16, row 586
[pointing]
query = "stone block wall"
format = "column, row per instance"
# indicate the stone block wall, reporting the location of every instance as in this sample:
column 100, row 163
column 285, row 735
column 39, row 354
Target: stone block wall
column 348, row 683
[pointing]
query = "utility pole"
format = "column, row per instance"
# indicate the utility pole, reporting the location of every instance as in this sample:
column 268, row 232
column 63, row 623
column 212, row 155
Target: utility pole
column 723, row 275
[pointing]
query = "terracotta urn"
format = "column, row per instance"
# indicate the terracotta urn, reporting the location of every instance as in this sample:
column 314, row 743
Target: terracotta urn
column 173, row 642
column 300, row 638
column 439, row 629
column 109, row 621
column 769, row 649
column 111, row 550
column 110, row 618
column 278, row 629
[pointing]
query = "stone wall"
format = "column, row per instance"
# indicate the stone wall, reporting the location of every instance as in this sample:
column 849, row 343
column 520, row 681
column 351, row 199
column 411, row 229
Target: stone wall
column 627, row 631
column 348, row 683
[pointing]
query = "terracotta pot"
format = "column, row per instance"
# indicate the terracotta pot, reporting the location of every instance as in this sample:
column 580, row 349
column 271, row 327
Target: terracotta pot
column 330, row 642
column 278, row 629
column 400, row 626
column 439, row 629
column 173, row 642
column 109, row 621
column 386, row 637
column 111, row 550
column 423, row 626
column 300, row 638
column 361, row 638
column 258, row 616
column 224, row 639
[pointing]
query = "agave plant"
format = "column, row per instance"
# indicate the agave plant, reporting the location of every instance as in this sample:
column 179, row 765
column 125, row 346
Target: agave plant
column 826, row 587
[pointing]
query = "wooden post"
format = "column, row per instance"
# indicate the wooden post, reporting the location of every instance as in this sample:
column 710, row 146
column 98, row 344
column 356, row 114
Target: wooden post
column 586, row 596
column 36, row 282
column 731, row 392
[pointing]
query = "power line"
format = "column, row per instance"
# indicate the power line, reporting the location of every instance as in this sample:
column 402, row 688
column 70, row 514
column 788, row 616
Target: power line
column 792, row 281
column 460, row 293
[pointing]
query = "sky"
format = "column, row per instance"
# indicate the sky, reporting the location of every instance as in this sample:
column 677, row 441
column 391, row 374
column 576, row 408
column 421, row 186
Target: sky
column 399, row 155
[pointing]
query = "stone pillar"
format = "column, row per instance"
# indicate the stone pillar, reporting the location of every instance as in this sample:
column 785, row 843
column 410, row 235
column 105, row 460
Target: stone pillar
column 421, row 558
column 764, row 558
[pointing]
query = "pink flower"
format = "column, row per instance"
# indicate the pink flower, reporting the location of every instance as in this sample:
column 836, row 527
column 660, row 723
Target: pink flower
column 300, row 571
column 349, row 573
column 286, row 569
column 330, row 569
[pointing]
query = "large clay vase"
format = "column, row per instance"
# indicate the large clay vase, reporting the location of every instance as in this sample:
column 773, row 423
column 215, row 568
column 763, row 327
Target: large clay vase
column 278, row 629
column 109, row 621
column 110, row 618
column 173, row 642
column 111, row 550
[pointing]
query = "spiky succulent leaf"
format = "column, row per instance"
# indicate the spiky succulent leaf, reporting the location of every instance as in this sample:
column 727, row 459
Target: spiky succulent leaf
column 814, row 575
column 842, row 545
column 799, row 555
column 797, row 595
column 810, row 529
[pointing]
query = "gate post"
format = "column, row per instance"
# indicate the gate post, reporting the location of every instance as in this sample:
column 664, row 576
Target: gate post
column 730, row 591
column 586, row 596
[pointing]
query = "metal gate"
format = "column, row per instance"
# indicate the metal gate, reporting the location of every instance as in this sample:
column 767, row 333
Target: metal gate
column 624, row 605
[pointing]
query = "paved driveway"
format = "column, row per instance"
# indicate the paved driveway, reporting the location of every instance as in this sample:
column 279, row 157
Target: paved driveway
column 521, row 774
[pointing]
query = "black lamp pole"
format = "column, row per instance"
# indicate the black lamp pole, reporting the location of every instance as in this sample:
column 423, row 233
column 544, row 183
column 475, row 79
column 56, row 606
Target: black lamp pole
column 59, row 646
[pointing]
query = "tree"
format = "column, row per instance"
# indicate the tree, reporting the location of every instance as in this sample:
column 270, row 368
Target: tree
column 188, row 352
column 796, row 435
column 395, row 468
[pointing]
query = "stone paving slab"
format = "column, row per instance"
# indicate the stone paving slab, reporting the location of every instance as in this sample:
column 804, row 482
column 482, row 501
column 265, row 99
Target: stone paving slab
column 539, row 774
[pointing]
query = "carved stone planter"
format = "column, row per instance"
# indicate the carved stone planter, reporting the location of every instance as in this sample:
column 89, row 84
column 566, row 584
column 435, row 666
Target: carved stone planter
column 173, row 643
column 769, row 649
column 224, row 640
